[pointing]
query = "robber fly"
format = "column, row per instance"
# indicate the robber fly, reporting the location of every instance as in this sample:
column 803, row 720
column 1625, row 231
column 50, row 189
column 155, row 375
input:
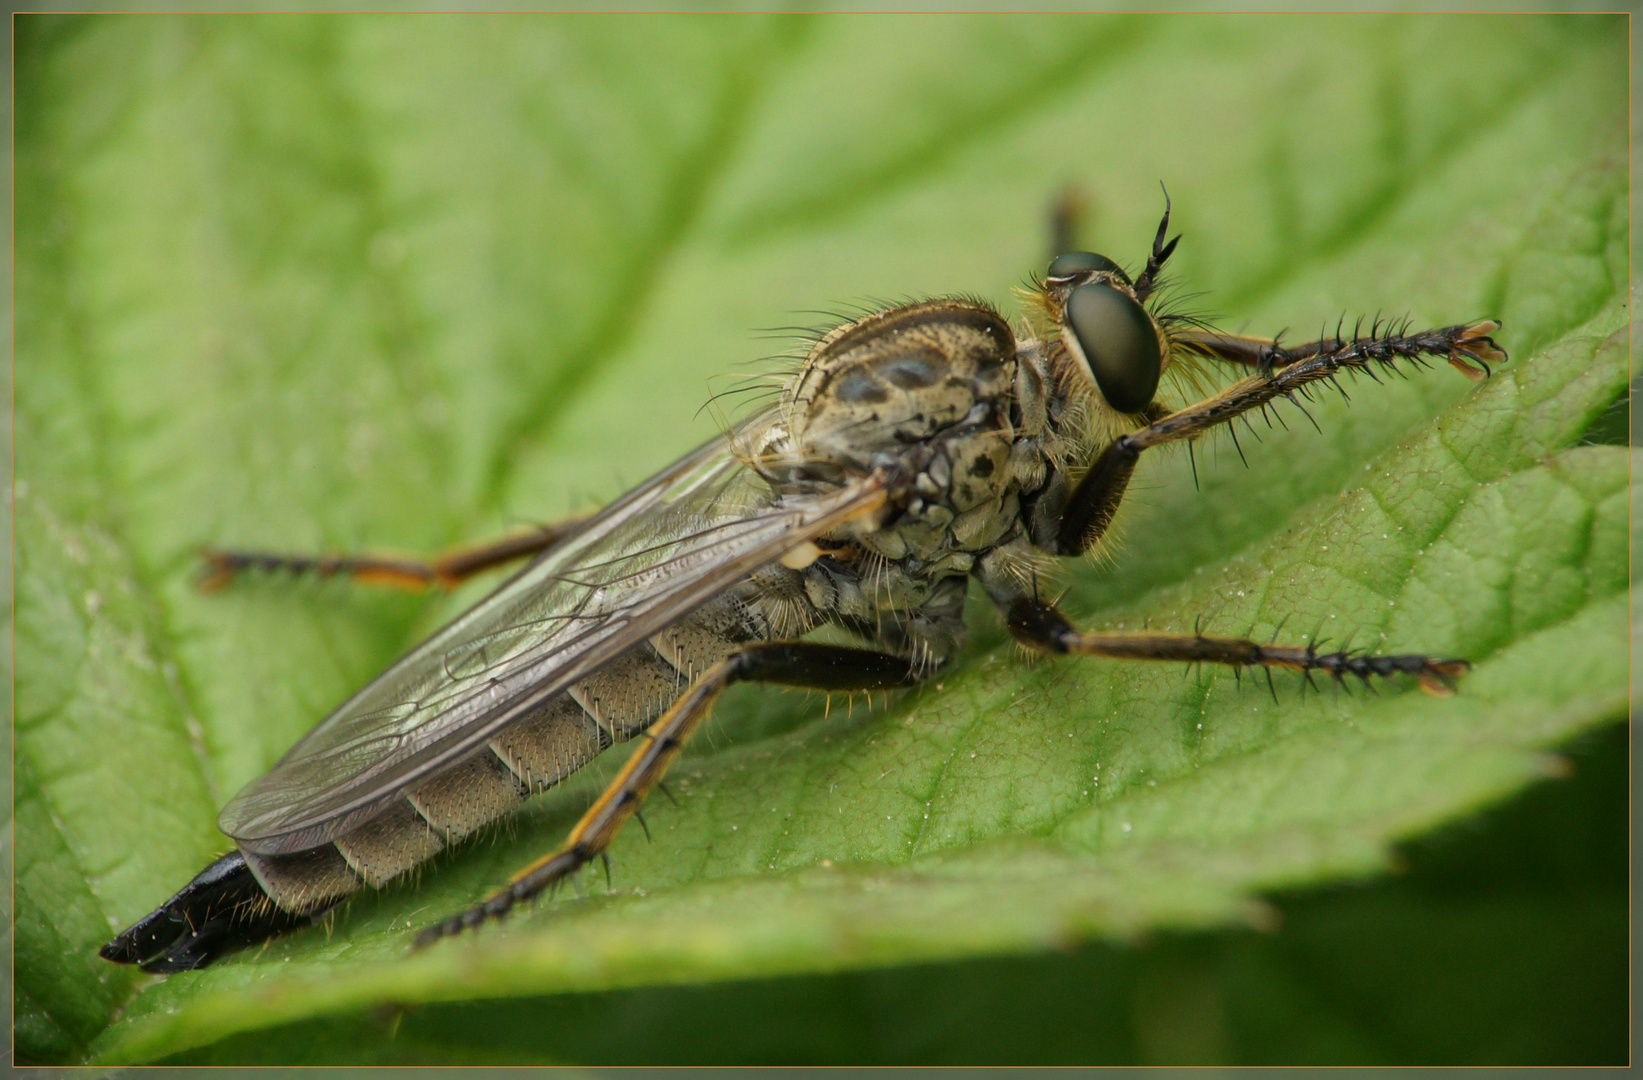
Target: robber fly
column 914, row 449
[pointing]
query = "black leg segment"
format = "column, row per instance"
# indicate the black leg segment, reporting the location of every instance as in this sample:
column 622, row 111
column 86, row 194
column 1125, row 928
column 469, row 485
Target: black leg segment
column 1094, row 502
column 821, row 667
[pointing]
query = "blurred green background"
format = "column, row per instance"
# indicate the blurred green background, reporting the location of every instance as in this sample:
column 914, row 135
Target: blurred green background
column 330, row 283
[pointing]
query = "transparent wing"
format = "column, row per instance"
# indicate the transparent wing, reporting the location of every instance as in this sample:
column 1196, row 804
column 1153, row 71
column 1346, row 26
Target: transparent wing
column 663, row 549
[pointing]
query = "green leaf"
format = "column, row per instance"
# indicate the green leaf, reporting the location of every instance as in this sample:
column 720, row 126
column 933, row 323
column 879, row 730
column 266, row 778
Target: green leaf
column 1501, row 939
column 319, row 284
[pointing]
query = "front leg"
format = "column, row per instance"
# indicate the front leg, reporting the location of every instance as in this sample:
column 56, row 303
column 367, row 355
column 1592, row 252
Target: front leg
column 1041, row 626
column 1094, row 502
column 1266, row 354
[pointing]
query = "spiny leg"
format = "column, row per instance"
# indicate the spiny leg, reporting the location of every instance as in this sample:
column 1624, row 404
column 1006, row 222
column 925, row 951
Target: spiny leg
column 791, row 663
column 1093, row 503
column 444, row 572
column 1041, row 626
column 1266, row 354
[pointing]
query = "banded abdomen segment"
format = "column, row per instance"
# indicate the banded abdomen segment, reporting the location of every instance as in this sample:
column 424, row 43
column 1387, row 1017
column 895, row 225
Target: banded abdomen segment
column 532, row 755
column 244, row 898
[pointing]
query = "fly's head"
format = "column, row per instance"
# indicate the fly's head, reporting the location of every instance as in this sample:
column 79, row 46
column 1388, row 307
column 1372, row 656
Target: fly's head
column 1107, row 348
column 877, row 392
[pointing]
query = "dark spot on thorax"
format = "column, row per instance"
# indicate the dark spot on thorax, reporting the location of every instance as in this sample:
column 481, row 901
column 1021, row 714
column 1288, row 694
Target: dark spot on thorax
column 910, row 372
column 858, row 386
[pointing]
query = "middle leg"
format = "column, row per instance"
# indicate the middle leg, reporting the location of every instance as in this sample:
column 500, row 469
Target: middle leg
column 1042, row 626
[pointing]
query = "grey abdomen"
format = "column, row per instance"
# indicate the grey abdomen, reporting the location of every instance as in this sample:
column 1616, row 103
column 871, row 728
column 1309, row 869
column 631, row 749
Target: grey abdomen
column 534, row 754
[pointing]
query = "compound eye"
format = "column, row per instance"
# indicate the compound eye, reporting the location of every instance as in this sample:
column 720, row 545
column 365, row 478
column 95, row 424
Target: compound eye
column 1117, row 342
column 1084, row 262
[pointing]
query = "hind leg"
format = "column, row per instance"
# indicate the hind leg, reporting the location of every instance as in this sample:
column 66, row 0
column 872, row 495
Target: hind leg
column 788, row 663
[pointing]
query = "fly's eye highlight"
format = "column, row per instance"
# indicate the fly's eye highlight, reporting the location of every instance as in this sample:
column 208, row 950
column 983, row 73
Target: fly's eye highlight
column 1117, row 341
column 1084, row 262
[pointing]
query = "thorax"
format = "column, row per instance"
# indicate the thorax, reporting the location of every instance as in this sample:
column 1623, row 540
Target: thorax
column 939, row 395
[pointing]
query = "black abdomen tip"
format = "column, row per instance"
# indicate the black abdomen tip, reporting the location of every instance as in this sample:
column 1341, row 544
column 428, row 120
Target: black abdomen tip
column 222, row 910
